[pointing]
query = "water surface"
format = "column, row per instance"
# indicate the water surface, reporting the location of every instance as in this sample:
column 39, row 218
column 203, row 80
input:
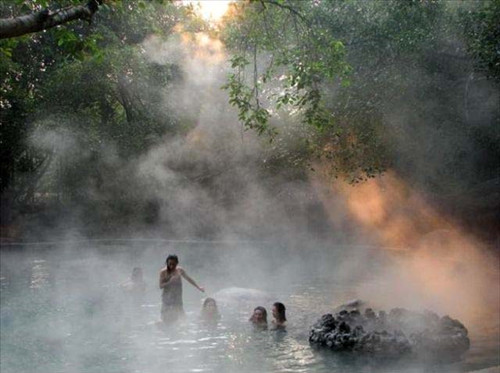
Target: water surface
column 63, row 309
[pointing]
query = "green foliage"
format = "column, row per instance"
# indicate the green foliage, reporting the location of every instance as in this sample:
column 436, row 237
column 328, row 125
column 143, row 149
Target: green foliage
column 342, row 65
column 250, row 113
column 483, row 36
column 317, row 78
column 290, row 62
column 301, row 55
column 91, row 84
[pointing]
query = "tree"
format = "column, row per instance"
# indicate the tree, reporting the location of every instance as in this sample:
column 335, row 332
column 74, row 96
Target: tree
column 47, row 19
column 349, row 69
column 359, row 86
column 86, row 86
column 289, row 58
column 280, row 46
column 483, row 36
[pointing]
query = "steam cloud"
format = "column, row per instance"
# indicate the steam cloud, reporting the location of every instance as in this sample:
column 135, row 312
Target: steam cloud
column 381, row 239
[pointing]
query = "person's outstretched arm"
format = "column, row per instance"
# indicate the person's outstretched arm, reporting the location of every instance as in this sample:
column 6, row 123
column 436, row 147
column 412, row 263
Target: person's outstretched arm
column 190, row 280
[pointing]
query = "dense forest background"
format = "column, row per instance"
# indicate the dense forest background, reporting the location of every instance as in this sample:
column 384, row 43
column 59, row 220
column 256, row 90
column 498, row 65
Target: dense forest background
column 150, row 120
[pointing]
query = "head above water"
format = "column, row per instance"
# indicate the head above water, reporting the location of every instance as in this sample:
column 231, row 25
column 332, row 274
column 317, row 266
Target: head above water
column 210, row 307
column 137, row 274
column 209, row 302
column 279, row 311
column 171, row 262
column 259, row 316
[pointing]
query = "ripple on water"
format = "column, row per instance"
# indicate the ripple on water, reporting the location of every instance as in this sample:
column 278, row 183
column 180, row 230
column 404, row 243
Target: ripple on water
column 67, row 327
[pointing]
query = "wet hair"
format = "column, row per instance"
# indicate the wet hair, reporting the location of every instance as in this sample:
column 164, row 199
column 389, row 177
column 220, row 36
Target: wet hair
column 263, row 310
column 172, row 257
column 280, row 307
column 209, row 300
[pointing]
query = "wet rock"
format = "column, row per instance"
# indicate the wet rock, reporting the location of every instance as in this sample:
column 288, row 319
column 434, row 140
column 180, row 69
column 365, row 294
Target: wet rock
column 400, row 333
column 445, row 337
column 369, row 314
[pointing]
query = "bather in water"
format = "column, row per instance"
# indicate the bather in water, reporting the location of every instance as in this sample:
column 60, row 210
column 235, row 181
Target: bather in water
column 279, row 316
column 259, row 318
column 210, row 312
column 171, row 282
column 136, row 284
column 135, row 288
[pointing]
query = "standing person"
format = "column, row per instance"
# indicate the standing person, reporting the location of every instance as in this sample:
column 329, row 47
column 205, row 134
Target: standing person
column 171, row 284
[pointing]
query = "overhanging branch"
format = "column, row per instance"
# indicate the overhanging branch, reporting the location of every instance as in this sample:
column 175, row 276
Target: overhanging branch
column 45, row 19
column 291, row 9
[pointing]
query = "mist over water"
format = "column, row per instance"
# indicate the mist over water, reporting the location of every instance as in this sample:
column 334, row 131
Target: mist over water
column 308, row 241
column 64, row 308
column 435, row 263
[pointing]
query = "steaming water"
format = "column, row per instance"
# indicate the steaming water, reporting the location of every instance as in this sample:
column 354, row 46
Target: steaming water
column 63, row 310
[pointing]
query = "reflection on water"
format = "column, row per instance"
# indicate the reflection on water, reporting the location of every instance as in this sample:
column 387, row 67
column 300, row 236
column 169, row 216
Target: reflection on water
column 69, row 314
column 39, row 274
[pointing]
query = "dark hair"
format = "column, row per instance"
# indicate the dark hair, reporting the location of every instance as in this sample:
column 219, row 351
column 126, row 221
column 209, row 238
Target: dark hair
column 172, row 257
column 263, row 310
column 209, row 300
column 280, row 307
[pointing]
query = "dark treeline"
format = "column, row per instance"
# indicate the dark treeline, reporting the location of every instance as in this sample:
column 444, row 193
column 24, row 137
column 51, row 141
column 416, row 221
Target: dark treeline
column 80, row 89
column 359, row 86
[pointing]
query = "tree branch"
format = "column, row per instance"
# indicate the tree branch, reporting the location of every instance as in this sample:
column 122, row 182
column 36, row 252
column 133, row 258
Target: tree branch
column 287, row 7
column 45, row 19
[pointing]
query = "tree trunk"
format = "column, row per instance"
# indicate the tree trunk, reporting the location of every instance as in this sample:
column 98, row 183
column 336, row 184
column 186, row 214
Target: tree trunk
column 45, row 19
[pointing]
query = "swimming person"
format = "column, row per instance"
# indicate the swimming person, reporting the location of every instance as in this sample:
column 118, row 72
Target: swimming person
column 259, row 317
column 279, row 316
column 209, row 311
column 171, row 283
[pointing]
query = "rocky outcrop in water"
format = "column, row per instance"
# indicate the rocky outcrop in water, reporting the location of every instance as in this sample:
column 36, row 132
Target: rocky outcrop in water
column 399, row 333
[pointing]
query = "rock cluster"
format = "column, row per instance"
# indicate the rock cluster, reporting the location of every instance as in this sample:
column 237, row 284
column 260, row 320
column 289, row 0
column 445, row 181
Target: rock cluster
column 399, row 333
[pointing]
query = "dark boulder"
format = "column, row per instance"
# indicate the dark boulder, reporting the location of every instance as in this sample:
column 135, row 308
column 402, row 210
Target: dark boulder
column 400, row 333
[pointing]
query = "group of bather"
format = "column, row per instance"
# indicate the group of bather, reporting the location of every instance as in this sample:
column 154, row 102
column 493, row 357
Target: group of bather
column 210, row 314
column 259, row 317
column 172, row 308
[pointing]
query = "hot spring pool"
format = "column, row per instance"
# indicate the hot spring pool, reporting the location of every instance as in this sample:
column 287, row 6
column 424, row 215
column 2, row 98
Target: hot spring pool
column 64, row 310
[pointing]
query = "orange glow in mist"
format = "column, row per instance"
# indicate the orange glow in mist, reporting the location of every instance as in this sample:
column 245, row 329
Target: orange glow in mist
column 435, row 264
